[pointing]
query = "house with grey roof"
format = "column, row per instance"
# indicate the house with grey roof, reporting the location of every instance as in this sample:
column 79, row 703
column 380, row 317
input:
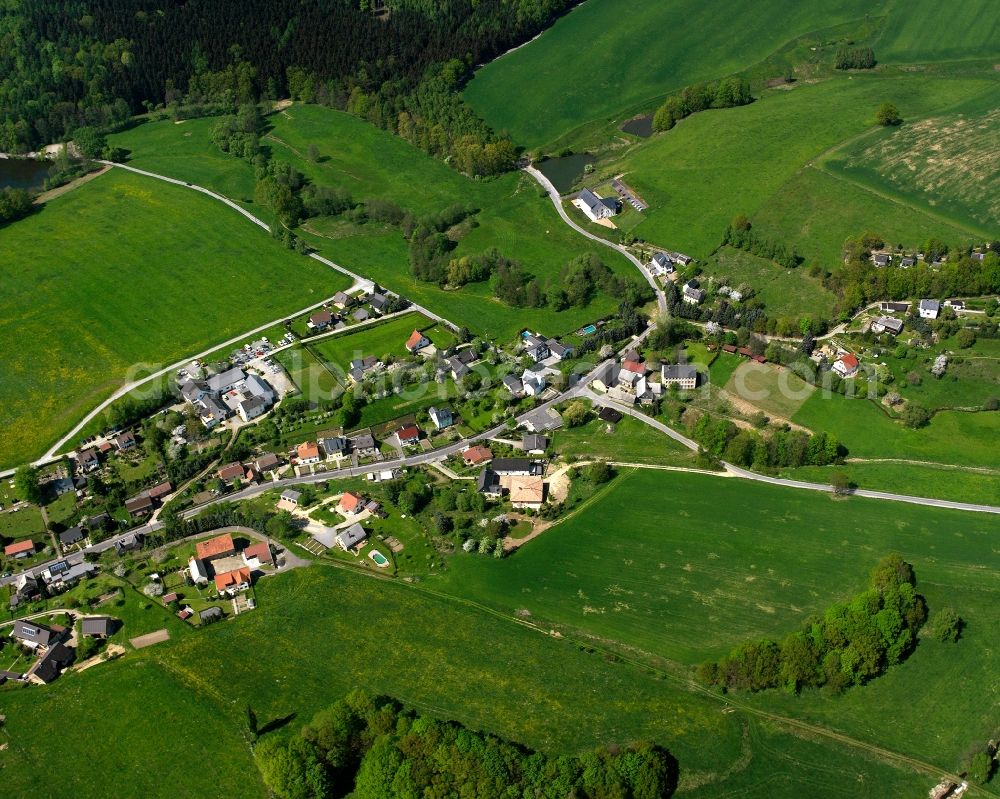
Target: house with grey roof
column 514, row 385
column 225, row 380
column 929, row 309
column 594, row 207
column 682, row 375
column 32, row 635
column 74, row 535
column 364, row 444
column 692, row 294
column 660, row 264
column 887, row 324
column 442, row 417
column 534, row 444
column 334, row 446
column 350, row 537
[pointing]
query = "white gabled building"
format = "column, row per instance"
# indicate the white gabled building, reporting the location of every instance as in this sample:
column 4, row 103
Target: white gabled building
column 594, row 207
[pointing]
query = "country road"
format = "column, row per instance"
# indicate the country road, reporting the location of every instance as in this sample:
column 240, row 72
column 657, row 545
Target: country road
column 661, row 299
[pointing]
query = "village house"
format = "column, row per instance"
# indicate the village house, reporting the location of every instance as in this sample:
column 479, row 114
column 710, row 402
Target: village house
column 257, row 555
column 594, row 207
column 488, row 483
column 929, row 309
column 408, row 435
column 364, row 444
column 221, row 546
column 881, row 258
column 307, row 453
column 907, row 261
column 19, row 549
column 459, row 363
column 232, row 582
column 682, row 375
column 846, row 366
column 320, row 320
column 88, row 460
column 140, row 505
column 341, row 300
column 536, row 348
column 514, row 385
column 34, row 636
column 441, row 417
column 477, row 455
column 416, row 342
column 351, row 537
column 334, row 446
column 231, row 472
column 160, row 490
column 56, row 658
column 378, row 302
column 266, row 463
column 955, row 305
column 894, row 307
column 522, row 467
column 26, row 589
column 198, row 571
column 887, row 324
column 661, row 265
column 131, row 542
column 359, row 367
column 61, row 576
column 534, row 444
column 74, row 535
column 360, row 315
column 559, row 350
column 97, row 626
column 526, row 492
column 125, row 441
column 209, row 615
column 350, row 504
column 692, row 293
column 533, row 384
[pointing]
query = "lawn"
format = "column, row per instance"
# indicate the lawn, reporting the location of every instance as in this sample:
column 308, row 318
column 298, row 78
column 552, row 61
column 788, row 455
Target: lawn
column 684, row 566
column 22, row 523
column 542, row 91
column 940, row 482
column 195, row 273
column 628, row 441
column 784, row 292
column 717, row 164
column 384, row 340
column 314, row 381
column 513, row 214
column 400, row 640
column 776, row 391
column 956, row 437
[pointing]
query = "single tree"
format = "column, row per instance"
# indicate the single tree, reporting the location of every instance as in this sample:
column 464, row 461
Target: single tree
column 888, row 115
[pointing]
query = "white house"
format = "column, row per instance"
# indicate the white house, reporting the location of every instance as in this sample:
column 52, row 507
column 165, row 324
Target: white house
column 441, row 417
column 929, row 309
column 682, row 375
column 692, row 294
column 846, row 365
column 887, row 324
column 198, row 572
column 594, row 207
column 661, row 265
column 534, row 384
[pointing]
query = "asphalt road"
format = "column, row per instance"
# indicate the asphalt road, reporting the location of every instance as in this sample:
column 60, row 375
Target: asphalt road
column 661, row 299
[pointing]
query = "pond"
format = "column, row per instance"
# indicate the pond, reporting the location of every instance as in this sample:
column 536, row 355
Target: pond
column 640, row 126
column 22, row 173
column 564, row 172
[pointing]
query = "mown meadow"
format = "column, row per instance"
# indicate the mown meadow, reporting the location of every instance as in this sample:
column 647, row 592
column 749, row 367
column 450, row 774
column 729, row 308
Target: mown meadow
column 124, row 271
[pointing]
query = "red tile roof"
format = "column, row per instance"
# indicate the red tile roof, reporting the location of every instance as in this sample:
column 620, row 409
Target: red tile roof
column 849, row 361
column 233, row 578
column 27, row 545
column 307, row 450
column 350, row 501
column 414, row 340
column 635, row 367
column 408, row 433
column 230, row 471
column 477, row 454
column 260, row 550
column 160, row 490
column 214, row 547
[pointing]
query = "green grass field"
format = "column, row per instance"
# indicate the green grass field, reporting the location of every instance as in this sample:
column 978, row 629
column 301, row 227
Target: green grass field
column 371, row 163
column 22, row 523
column 918, row 31
column 684, row 566
column 711, row 166
column 965, row 439
column 941, row 482
column 629, row 441
column 943, row 164
column 300, row 651
column 128, row 271
column 785, row 292
column 386, row 339
column 777, row 392
column 645, row 51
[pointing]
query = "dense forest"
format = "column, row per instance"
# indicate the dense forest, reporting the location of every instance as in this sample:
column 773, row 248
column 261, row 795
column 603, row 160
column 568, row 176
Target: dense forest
column 70, row 63
column 375, row 749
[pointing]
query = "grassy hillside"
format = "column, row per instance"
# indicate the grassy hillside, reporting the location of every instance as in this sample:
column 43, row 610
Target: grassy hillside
column 370, row 163
column 720, row 163
column 609, row 56
column 124, row 271
column 320, row 632
column 918, row 31
column 716, row 561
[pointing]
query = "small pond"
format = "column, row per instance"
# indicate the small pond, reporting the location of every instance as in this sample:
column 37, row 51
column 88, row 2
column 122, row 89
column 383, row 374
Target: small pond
column 640, row 126
column 22, row 173
column 565, row 171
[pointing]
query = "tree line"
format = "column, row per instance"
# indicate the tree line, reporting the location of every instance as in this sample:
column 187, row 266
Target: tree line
column 780, row 447
column 374, row 748
column 851, row 643
column 740, row 234
column 67, row 64
column 855, row 58
column 727, row 93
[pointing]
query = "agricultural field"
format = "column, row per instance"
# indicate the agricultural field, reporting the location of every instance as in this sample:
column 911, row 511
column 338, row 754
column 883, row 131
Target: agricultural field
column 945, row 164
column 952, row 437
column 513, row 214
column 776, row 391
column 698, row 176
column 784, row 292
column 392, row 638
column 977, row 485
column 715, row 561
column 544, row 90
column 196, row 273
column 919, row 31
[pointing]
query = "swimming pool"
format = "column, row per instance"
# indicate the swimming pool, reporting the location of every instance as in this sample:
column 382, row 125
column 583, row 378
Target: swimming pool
column 380, row 560
column 589, row 329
